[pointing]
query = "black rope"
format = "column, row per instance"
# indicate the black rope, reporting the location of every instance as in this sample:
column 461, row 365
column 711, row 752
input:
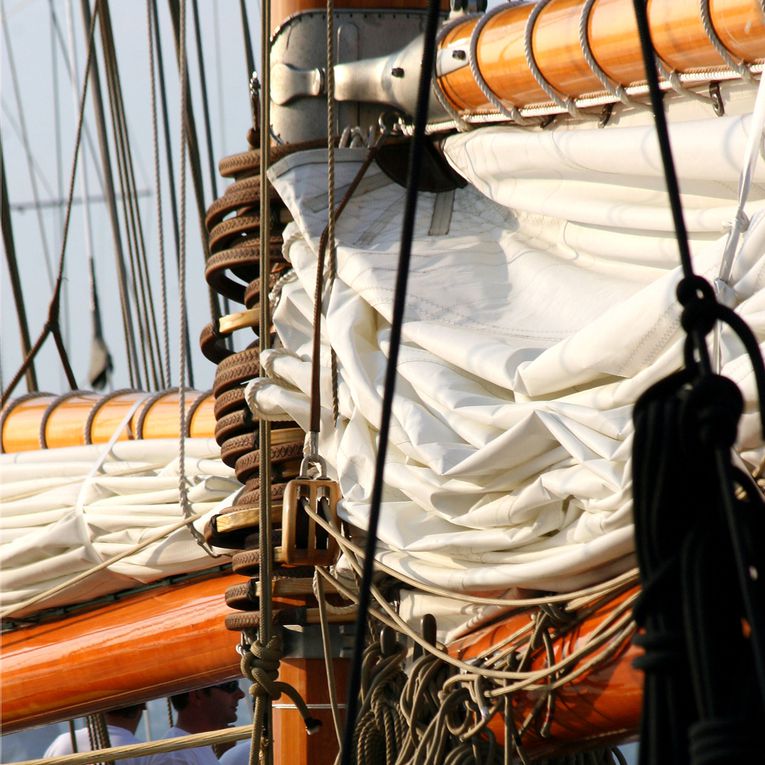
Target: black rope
column 699, row 526
column 399, row 303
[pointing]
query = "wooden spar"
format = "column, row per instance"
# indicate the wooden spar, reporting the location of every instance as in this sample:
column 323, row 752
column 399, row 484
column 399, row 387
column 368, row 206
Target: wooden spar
column 161, row 641
column 600, row 707
column 156, row 643
column 676, row 27
column 40, row 421
column 171, row 638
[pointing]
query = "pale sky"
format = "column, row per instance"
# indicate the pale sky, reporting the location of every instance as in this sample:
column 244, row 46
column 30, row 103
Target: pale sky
column 46, row 91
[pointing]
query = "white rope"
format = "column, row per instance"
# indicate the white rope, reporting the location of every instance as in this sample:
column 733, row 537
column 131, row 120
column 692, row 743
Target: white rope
column 150, row 747
column 740, row 222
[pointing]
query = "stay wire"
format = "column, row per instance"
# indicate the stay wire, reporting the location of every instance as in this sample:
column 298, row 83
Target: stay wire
column 108, row 185
column 13, row 271
column 145, row 317
column 51, row 324
column 25, row 141
column 166, row 377
column 399, row 304
column 248, row 54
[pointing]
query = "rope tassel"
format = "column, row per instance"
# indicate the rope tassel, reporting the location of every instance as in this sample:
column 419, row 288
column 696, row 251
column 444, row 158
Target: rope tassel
column 699, row 525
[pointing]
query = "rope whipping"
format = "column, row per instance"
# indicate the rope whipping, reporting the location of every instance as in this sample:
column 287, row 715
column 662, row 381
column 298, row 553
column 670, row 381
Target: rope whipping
column 699, row 524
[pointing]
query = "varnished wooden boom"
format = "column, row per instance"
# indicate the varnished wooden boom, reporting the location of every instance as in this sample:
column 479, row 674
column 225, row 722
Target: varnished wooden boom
column 677, row 29
column 40, row 421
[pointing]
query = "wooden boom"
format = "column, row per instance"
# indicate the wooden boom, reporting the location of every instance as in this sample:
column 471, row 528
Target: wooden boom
column 679, row 36
column 42, row 420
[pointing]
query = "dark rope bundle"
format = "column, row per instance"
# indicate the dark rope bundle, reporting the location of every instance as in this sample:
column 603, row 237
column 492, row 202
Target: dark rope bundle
column 698, row 524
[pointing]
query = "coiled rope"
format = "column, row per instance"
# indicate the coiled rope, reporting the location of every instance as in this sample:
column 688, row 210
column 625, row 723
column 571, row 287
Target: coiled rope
column 699, row 523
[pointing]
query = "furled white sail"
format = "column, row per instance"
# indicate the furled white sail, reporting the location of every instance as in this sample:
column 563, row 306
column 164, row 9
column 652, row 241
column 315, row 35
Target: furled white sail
column 540, row 305
column 65, row 511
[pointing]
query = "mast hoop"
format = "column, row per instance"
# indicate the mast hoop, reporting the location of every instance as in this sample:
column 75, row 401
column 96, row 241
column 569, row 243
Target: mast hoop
column 511, row 112
column 566, row 103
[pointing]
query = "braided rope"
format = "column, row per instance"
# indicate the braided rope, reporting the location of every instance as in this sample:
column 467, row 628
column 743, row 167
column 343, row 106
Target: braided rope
column 158, row 184
column 737, row 66
column 441, row 97
column 564, row 102
column 513, row 112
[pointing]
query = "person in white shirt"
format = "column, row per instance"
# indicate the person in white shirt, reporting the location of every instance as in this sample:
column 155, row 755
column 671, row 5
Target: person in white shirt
column 121, row 725
column 206, row 709
column 237, row 755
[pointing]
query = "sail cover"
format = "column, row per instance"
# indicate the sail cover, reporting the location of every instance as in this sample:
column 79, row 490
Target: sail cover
column 540, row 305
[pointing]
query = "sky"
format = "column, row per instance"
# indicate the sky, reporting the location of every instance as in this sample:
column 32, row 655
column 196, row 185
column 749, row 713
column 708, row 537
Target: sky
column 37, row 124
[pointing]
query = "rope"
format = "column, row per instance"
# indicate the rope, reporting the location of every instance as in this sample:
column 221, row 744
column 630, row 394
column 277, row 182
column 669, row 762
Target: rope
column 13, row 270
column 145, row 318
column 332, row 265
column 329, row 665
column 157, row 746
column 166, row 377
column 51, row 324
column 697, row 527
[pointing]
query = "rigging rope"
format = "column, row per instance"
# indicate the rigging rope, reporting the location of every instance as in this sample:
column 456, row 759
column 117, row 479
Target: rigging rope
column 51, row 326
column 399, row 300
column 692, row 507
column 166, row 375
column 145, row 318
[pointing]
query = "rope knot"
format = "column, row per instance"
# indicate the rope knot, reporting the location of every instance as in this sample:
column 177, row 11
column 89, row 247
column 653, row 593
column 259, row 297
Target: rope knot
column 697, row 296
column 261, row 664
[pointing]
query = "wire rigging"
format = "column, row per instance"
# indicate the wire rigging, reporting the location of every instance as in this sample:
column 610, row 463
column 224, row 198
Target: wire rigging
column 51, row 326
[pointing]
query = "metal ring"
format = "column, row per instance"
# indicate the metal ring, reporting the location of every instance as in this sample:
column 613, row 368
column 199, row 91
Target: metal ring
column 88, row 435
column 49, row 411
column 559, row 99
column 513, row 112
